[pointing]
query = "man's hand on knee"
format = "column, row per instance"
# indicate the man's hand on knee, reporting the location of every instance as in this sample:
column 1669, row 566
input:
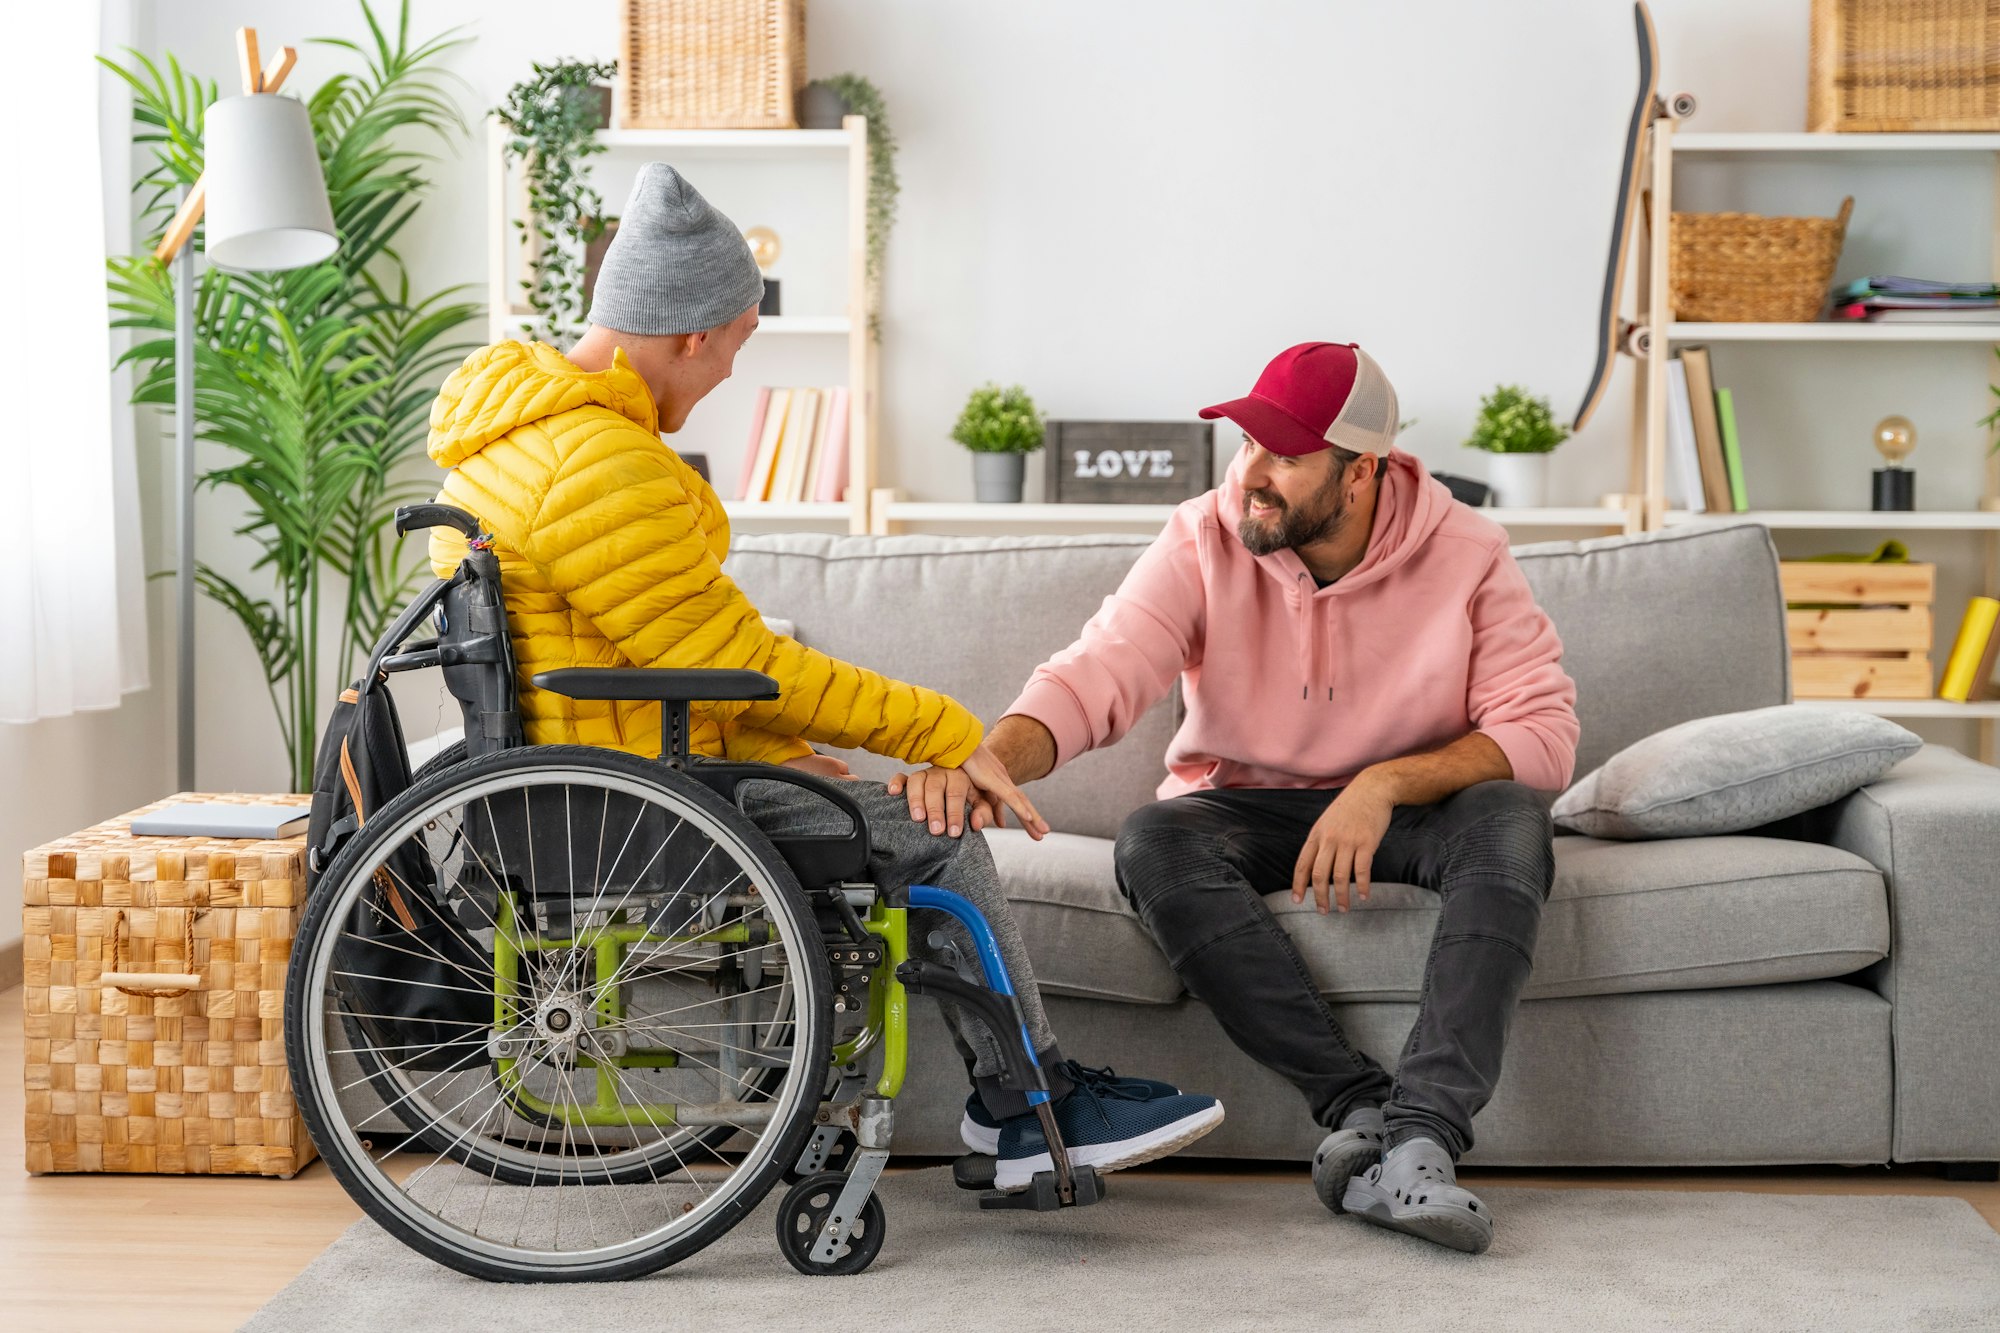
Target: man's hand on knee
column 1342, row 844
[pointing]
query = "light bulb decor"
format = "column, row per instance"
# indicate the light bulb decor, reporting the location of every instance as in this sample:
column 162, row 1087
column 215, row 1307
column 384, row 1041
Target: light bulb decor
column 765, row 249
column 1895, row 488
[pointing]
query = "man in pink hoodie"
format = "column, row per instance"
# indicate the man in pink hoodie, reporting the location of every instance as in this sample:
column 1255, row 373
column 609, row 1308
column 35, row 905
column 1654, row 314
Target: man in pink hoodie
column 1372, row 694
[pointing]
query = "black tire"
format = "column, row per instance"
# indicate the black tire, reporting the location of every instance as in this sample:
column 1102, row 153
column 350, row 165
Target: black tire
column 811, row 1022
column 804, row 1212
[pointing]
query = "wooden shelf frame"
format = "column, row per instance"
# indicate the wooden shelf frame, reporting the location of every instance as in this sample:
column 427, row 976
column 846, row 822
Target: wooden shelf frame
column 890, row 512
column 1648, row 501
column 507, row 254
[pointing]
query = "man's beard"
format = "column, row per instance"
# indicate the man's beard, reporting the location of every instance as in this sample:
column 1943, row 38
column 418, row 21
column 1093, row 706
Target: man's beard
column 1292, row 528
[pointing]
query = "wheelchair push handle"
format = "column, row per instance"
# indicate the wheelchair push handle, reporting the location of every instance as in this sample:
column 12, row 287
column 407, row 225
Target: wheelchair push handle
column 410, row 518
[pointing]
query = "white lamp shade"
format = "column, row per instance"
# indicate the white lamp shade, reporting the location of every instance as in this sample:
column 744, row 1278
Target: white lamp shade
column 267, row 207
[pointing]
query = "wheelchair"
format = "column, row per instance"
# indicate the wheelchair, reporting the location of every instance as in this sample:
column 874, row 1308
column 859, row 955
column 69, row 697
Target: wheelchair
column 561, row 1013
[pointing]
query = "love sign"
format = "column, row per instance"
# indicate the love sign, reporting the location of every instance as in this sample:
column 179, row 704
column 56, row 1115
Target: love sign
column 1129, row 462
column 1125, row 462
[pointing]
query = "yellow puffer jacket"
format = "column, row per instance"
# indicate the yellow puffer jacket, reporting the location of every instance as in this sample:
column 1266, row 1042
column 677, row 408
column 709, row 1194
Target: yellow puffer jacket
column 611, row 554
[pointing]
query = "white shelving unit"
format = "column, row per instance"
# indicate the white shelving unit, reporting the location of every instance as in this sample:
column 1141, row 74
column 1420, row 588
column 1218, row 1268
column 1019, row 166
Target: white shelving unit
column 890, row 513
column 1848, row 520
column 1665, row 142
column 1914, row 708
column 779, row 149
column 1828, row 331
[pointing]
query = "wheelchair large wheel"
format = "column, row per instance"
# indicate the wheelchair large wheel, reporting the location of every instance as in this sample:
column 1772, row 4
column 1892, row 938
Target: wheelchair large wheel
column 590, row 1001
column 407, row 1089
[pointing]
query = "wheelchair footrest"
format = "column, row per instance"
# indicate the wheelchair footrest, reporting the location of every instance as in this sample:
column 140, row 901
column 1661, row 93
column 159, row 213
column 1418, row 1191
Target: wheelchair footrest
column 1041, row 1195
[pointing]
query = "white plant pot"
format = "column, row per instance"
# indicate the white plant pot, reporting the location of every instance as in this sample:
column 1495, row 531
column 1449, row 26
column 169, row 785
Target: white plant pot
column 1520, row 480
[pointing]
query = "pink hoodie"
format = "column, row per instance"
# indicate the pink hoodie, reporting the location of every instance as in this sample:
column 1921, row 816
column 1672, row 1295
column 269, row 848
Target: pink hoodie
column 1434, row 634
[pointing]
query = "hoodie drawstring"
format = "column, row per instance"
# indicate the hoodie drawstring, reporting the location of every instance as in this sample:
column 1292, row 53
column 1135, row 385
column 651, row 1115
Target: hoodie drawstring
column 1308, row 641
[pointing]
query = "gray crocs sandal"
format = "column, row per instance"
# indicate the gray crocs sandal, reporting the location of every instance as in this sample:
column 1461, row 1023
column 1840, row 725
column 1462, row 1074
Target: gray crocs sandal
column 1341, row 1154
column 1414, row 1190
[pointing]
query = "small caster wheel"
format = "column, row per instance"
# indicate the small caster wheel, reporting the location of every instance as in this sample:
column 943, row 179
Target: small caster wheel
column 803, row 1217
column 836, row 1161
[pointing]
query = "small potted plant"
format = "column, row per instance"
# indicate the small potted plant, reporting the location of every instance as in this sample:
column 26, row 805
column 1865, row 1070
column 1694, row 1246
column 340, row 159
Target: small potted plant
column 1001, row 427
column 1519, row 431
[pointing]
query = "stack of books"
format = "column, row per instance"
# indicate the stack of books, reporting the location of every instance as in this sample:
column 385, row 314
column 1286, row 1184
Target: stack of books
column 1891, row 300
column 798, row 446
column 1704, row 458
column 1968, row 672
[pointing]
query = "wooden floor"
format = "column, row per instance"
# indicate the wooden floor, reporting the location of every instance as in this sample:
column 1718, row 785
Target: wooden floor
column 171, row 1253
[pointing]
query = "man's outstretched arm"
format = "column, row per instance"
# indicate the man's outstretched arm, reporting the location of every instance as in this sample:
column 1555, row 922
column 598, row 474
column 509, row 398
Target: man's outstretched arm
column 1025, row 745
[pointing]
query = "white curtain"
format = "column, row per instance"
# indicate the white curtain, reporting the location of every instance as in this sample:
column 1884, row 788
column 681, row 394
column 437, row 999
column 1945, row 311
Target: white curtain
column 72, row 583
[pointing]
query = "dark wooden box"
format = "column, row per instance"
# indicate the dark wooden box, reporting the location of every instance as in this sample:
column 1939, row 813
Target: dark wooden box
column 1129, row 462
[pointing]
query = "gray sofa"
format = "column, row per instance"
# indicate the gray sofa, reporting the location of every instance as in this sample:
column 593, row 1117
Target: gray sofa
column 1826, row 991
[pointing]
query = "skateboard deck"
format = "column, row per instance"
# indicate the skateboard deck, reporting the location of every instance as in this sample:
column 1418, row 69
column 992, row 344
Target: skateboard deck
column 1625, row 220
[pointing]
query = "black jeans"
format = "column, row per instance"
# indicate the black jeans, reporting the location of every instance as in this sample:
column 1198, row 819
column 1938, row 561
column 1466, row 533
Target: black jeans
column 1196, row 867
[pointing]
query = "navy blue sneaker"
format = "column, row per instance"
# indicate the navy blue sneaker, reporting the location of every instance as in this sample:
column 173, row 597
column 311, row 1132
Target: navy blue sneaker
column 1104, row 1128
column 980, row 1129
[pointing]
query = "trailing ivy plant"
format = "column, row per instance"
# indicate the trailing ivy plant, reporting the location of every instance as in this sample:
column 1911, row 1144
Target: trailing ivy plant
column 865, row 99
column 554, row 119
column 317, row 381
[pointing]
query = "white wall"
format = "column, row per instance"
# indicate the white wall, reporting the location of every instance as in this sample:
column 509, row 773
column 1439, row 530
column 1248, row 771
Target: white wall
column 1129, row 208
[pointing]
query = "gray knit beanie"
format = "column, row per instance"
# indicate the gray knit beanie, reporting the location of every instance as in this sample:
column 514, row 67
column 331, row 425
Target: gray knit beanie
column 676, row 265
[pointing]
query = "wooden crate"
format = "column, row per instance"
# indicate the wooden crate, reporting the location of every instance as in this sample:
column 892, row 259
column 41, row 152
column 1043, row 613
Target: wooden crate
column 193, row 1083
column 1865, row 632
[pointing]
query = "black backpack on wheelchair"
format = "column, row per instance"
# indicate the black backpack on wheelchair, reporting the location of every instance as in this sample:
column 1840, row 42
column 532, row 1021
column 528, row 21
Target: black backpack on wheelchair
column 561, row 1012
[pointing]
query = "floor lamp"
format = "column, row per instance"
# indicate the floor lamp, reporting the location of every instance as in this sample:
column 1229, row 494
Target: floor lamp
column 264, row 194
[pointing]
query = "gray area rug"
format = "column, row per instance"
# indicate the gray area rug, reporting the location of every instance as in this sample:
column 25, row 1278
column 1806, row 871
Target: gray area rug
column 1175, row 1253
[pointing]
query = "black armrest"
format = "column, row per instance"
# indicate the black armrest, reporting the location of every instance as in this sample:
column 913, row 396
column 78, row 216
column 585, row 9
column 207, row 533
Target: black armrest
column 665, row 684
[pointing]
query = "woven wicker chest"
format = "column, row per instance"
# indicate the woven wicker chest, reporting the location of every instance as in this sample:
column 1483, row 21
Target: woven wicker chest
column 124, row 1074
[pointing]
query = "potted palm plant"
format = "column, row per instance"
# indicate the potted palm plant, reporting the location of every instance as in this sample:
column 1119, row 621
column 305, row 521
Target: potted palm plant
column 317, row 381
column 1519, row 431
column 1001, row 427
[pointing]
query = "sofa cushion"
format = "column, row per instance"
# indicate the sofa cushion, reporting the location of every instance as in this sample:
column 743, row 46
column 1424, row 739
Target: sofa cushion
column 1663, row 628
column 1082, row 935
column 973, row 617
column 1733, row 772
column 1623, row 917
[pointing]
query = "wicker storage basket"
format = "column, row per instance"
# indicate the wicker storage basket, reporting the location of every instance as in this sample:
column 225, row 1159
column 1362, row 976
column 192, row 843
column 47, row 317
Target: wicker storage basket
column 1734, row 268
column 142, row 1075
column 711, row 64
column 1889, row 65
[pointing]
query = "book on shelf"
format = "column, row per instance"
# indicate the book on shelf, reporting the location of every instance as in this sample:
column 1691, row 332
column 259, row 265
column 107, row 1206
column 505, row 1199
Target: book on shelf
column 1683, row 466
column 767, row 446
column 1732, row 451
column 1972, row 314
column 798, row 447
column 1984, row 690
column 797, row 439
column 1707, row 430
column 757, row 411
column 832, row 482
column 1969, row 649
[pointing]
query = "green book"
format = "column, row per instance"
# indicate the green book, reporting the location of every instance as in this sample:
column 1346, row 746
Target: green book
column 1732, row 457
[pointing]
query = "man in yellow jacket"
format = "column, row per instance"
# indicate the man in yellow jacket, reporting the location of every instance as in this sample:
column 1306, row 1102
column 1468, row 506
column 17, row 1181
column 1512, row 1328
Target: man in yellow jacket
column 611, row 552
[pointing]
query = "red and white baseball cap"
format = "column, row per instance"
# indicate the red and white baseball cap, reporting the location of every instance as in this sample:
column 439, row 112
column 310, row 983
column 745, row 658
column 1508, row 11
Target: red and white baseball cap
column 1315, row 395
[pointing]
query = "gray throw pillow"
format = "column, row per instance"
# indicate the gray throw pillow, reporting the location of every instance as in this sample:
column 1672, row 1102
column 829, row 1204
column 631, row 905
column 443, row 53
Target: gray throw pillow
column 1733, row 772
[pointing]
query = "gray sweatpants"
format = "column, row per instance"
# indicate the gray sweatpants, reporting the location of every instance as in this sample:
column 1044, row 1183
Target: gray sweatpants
column 904, row 852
